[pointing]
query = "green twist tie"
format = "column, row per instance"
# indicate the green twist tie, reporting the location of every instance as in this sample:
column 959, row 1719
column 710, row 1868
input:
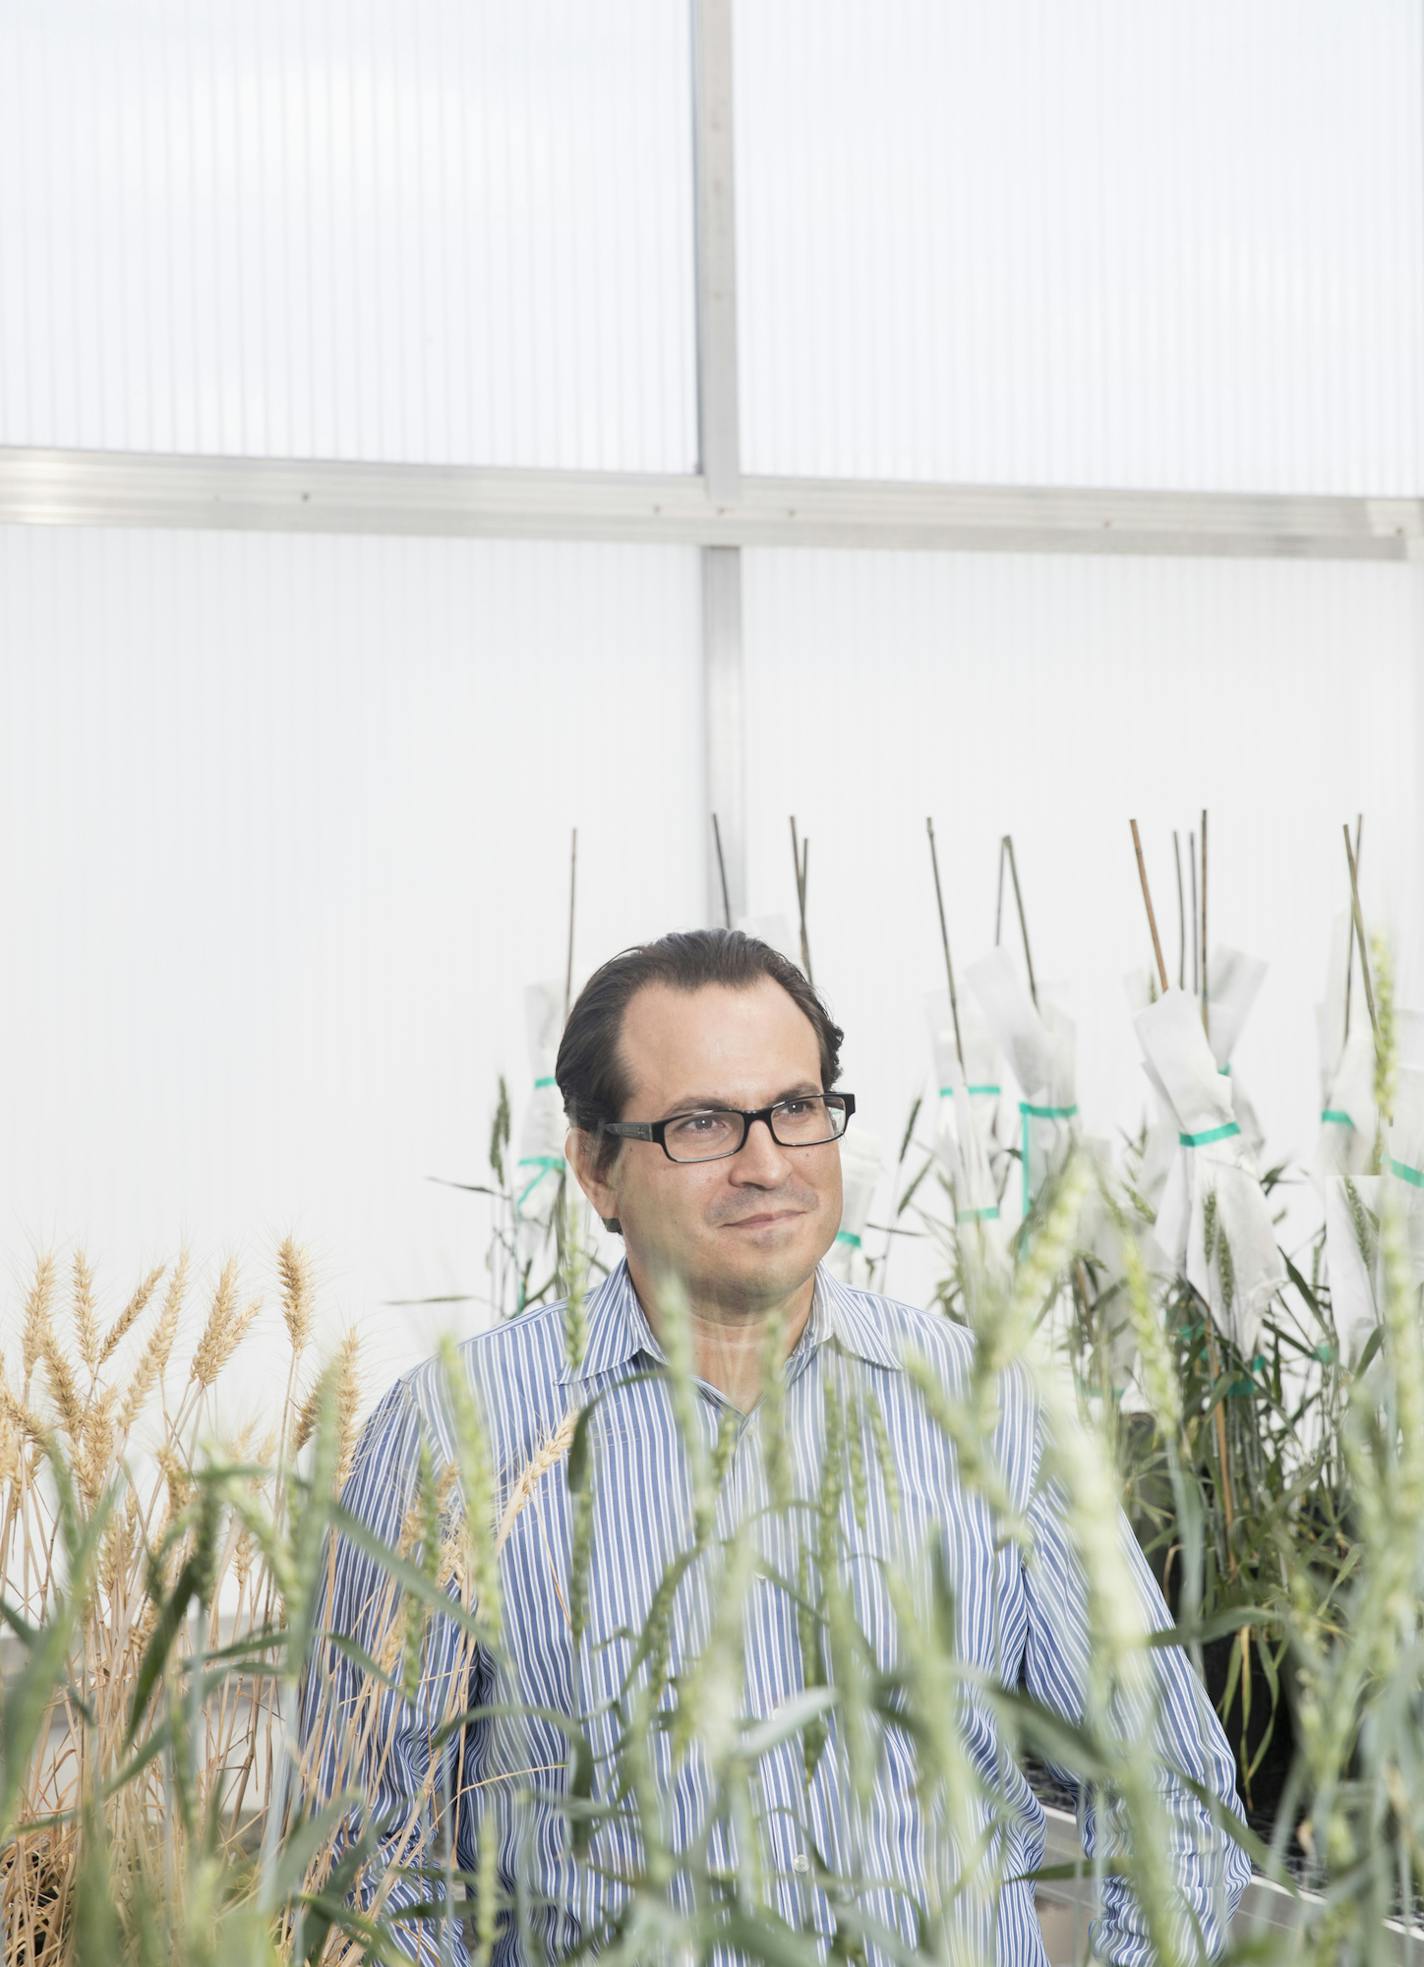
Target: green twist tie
column 544, row 1082
column 1243, row 1389
column 1414, row 1176
column 1031, row 1112
column 947, row 1092
column 1212, row 1134
column 547, row 1164
column 989, row 1215
column 1326, row 1354
column 848, row 1236
column 1336, row 1117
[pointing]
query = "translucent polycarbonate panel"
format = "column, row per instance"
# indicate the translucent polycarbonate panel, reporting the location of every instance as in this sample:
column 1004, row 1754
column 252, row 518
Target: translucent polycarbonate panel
column 429, row 231
column 1056, row 699
column 287, row 833
column 1012, row 241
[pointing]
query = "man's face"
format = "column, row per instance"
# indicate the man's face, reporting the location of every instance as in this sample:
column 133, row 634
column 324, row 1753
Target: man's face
column 747, row 1231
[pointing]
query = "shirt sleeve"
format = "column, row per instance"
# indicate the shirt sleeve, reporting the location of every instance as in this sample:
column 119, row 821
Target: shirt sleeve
column 360, row 1736
column 1209, row 1868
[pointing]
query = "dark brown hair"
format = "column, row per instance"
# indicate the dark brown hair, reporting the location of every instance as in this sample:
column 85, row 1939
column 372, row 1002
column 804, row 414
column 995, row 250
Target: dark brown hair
column 590, row 1070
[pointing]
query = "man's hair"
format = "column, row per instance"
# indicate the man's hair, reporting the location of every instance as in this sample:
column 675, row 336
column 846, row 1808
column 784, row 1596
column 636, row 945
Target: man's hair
column 590, row 1070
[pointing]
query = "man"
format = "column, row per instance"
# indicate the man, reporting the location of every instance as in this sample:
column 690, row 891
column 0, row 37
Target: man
column 789, row 1518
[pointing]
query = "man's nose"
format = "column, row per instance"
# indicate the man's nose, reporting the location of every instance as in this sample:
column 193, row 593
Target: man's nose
column 762, row 1158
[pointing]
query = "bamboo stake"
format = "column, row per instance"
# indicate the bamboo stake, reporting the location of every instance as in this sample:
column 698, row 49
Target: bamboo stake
column 1196, row 951
column 1023, row 924
column 944, row 939
column 800, row 854
column 1350, row 939
column 999, row 898
column 1206, row 1014
column 573, row 888
column 1151, row 912
column 722, row 874
column 1365, row 977
column 1181, row 914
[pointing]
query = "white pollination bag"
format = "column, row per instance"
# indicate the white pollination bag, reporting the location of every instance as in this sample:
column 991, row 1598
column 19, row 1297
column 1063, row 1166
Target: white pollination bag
column 976, row 1108
column 1352, row 1258
column 861, row 1165
column 774, row 930
column 1404, row 1158
column 1148, row 1166
column 1234, row 983
column 1347, row 1069
column 1040, row 1043
column 1348, row 1119
column 1214, row 1224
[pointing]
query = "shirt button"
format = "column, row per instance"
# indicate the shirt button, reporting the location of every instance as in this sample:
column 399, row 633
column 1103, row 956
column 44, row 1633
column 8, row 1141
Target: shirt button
column 800, row 1862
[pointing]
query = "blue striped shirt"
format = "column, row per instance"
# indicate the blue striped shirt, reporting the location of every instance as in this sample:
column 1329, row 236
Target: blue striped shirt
column 1019, row 1621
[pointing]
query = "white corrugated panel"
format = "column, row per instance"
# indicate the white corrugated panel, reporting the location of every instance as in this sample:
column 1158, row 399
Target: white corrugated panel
column 286, row 833
column 435, row 231
column 1013, row 241
column 1055, row 698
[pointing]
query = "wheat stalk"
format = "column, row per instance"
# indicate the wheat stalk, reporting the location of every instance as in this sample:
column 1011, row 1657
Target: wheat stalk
column 130, row 1315
column 533, row 1473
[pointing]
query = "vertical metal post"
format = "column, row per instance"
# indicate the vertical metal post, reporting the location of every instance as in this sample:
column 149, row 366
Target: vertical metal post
column 719, row 446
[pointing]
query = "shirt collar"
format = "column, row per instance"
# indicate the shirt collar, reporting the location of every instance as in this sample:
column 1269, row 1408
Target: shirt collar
column 618, row 1329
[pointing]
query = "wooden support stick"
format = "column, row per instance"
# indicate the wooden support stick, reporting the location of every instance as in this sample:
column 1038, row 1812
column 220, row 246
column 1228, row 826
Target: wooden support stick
column 1206, row 1014
column 800, row 855
column 1350, row 939
column 573, row 890
column 944, row 939
column 1151, row 913
column 1023, row 925
column 1181, row 914
column 1196, row 937
column 999, row 898
column 722, row 874
column 1365, row 976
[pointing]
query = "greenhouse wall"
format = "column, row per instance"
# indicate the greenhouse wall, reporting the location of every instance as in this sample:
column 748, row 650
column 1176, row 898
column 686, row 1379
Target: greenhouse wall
column 298, row 818
column 1051, row 697
column 427, row 232
column 1016, row 242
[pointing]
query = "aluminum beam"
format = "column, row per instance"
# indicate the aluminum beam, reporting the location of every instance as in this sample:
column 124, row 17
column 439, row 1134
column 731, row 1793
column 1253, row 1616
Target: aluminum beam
column 114, row 488
column 718, row 413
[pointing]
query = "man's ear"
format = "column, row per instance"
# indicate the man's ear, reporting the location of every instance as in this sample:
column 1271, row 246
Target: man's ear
column 580, row 1153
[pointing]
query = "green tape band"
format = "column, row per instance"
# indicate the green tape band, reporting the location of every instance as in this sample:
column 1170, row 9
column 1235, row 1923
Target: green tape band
column 989, row 1215
column 1212, row 1134
column 947, row 1092
column 1335, row 1117
column 848, row 1236
column 544, row 1082
column 547, row 1164
column 1414, row 1176
column 1030, row 1112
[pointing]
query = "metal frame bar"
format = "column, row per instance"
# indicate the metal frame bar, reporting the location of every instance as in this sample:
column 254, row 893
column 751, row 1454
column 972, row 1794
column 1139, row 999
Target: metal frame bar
column 117, row 488
column 719, row 445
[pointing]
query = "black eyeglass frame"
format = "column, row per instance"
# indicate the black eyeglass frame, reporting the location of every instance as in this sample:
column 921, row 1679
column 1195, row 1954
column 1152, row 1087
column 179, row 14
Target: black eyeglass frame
column 655, row 1130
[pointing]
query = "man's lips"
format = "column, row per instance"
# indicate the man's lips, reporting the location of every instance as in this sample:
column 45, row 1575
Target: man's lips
column 762, row 1222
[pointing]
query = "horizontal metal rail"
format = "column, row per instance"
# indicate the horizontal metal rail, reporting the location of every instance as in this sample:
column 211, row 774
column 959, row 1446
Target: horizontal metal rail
column 112, row 488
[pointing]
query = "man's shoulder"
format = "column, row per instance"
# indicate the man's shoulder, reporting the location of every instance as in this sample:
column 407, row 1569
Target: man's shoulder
column 906, row 1330
column 912, row 1332
column 514, row 1366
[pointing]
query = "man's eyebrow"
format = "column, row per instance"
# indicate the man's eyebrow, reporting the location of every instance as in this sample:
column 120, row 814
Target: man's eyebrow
column 694, row 1102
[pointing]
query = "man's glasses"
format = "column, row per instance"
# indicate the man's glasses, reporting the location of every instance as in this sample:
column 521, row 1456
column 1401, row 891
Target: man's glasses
column 713, row 1132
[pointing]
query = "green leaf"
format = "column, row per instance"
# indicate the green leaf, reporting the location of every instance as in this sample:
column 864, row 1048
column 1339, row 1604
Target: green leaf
column 28, row 1696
